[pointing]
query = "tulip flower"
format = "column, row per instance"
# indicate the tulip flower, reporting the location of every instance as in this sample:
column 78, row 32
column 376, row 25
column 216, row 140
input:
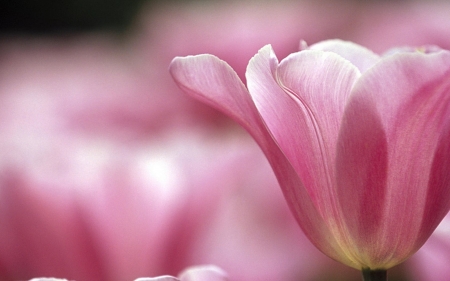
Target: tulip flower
column 357, row 141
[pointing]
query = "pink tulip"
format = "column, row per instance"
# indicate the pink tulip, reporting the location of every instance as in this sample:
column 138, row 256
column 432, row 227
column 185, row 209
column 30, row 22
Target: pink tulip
column 358, row 142
column 196, row 273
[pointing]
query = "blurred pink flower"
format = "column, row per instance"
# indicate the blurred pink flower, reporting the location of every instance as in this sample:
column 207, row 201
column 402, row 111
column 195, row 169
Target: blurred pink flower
column 431, row 262
column 253, row 236
column 76, row 124
column 94, row 85
column 380, row 25
column 235, row 30
column 89, row 208
column 344, row 131
column 91, row 189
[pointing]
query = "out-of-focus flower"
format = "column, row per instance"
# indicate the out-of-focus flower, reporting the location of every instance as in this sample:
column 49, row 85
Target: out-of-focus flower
column 197, row 273
column 356, row 141
column 89, row 208
column 253, row 236
column 380, row 25
column 235, row 31
column 92, row 84
column 431, row 262
column 91, row 189
column 73, row 171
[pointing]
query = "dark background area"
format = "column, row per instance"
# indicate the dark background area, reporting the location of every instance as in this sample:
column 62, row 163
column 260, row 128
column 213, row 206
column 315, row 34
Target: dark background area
column 25, row 17
column 53, row 16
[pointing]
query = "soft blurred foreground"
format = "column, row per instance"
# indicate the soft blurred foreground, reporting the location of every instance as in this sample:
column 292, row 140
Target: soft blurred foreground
column 108, row 172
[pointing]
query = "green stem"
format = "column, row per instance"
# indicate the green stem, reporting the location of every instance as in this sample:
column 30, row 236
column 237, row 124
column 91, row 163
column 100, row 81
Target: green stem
column 374, row 275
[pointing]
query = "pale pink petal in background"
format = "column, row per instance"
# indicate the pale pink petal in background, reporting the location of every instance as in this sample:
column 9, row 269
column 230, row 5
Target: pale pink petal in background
column 431, row 262
column 193, row 273
column 381, row 25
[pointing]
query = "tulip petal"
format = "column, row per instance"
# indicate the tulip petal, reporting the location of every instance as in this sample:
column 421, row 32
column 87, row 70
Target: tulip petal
column 212, row 81
column 361, row 172
column 406, row 96
column 319, row 84
column 359, row 56
column 438, row 187
column 307, row 139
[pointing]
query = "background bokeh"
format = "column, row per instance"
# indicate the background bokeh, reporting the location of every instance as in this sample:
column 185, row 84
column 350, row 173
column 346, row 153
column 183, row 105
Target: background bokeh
column 109, row 172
